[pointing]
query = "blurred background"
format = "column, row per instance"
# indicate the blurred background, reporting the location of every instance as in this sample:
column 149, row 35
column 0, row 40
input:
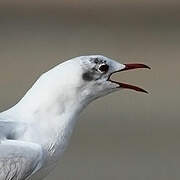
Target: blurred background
column 126, row 135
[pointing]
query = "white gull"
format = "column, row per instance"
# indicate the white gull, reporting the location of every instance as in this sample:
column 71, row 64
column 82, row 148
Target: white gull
column 35, row 132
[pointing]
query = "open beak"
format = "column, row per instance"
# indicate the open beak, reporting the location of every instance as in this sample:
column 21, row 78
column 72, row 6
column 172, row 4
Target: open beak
column 128, row 86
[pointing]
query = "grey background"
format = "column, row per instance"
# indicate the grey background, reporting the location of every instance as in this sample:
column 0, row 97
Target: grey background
column 126, row 135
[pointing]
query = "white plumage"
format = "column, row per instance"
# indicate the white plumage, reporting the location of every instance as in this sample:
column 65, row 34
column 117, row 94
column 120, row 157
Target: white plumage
column 36, row 131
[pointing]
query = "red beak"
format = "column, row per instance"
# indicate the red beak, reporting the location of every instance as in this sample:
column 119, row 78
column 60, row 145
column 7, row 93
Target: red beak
column 135, row 66
column 128, row 86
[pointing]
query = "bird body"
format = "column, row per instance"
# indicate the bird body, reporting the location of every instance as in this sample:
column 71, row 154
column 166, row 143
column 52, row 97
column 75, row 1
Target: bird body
column 36, row 131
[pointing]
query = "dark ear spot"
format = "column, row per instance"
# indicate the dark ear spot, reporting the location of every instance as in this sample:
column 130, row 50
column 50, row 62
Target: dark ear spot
column 96, row 60
column 87, row 76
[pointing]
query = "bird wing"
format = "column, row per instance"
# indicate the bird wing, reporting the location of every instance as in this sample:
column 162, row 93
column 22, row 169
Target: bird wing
column 19, row 160
column 11, row 129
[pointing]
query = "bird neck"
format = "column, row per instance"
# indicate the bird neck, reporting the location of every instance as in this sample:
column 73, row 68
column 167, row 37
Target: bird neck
column 51, row 113
column 55, row 92
column 41, row 101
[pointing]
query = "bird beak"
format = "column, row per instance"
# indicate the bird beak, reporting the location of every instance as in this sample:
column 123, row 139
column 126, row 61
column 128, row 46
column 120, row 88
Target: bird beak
column 128, row 86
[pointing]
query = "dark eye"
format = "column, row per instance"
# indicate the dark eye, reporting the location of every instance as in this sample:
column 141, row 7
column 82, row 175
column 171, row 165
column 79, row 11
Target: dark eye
column 104, row 68
column 96, row 60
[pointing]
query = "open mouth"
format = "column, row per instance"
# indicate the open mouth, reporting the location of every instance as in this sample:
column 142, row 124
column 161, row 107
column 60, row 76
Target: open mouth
column 128, row 86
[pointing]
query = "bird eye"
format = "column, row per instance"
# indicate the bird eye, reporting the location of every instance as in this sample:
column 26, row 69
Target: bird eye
column 96, row 60
column 104, row 68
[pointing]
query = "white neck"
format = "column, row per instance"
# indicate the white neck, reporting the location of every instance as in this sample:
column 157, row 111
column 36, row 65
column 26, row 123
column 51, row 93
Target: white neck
column 55, row 92
column 51, row 110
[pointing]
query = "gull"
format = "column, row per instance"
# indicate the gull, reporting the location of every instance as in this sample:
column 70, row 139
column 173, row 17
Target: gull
column 36, row 131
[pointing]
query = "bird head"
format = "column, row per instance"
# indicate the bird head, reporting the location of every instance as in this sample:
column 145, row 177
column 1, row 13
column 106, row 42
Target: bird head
column 95, row 73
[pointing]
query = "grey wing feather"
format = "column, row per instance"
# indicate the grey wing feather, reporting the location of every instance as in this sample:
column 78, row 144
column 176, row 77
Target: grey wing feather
column 19, row 160
column 11, row 129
